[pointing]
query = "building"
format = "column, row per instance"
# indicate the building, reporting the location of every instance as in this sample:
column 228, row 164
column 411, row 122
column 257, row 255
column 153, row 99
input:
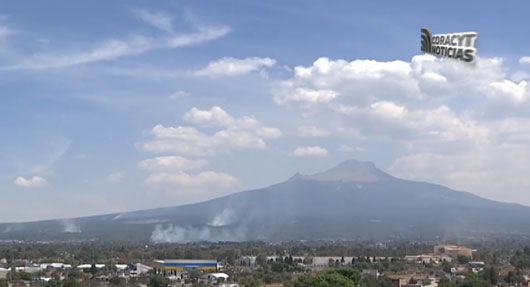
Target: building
column 138, row 269
column 173, row 266
column 88, row 266
column 3, row 272
column 214, row 276
column 453, row 251
column 44, row 266
column 370, row 273
column 428, row 258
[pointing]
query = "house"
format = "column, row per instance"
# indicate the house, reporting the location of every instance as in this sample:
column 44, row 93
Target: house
column 55, row 266
column 29, row 269
column 370, row 272
column 214, row 276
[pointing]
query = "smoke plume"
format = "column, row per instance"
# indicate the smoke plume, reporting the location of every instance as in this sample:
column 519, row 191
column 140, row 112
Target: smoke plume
column 222, row 227
column 227, row 217
column 69, row 226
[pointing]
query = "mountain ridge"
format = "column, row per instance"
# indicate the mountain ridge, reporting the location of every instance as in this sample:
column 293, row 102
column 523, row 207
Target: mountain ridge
column 354, row 200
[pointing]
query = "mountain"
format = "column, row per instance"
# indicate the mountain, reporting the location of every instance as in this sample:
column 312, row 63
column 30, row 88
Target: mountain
column 354, row 200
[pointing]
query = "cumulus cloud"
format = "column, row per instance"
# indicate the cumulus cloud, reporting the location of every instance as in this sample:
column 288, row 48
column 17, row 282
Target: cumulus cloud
column 309, row 96
column 236, row 133
column 305, row 151
column 214, row 116
column 203, row 179
column 171, row 163
column 311, row 131
column 496, row 171
column 524, row 60
column 35, row 181
column 517, row 93
column 234, row 67
column 115, row 177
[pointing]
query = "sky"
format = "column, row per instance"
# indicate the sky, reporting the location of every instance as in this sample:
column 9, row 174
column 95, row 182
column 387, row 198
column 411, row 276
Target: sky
column 112, row 106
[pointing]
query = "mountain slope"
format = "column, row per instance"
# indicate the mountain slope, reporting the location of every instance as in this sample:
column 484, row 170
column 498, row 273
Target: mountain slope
column 354, row 200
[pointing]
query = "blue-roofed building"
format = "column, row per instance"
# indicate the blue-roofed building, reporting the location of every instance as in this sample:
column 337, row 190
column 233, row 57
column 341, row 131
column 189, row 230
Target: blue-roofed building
column 173, row 265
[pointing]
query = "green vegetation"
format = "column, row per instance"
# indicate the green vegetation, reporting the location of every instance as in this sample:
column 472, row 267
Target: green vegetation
column 462, row 259
column 521, row 258
column 158, row 281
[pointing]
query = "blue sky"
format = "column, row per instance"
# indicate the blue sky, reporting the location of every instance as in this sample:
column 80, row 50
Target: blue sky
column 116, row 106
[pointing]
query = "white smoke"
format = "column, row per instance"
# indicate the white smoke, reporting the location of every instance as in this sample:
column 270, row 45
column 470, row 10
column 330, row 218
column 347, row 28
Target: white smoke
column 220, row 228
column 227, row 217
column 179, row 234
column 69, row 226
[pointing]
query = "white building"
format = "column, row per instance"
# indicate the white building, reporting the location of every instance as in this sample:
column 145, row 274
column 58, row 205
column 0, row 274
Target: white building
column 214, row 276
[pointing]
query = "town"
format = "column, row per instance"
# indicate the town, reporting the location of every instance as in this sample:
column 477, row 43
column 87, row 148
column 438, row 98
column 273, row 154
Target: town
column 290, row 264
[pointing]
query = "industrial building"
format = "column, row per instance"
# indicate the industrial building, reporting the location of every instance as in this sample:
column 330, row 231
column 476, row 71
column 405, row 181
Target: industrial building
column 172, row 266
column 453, row 251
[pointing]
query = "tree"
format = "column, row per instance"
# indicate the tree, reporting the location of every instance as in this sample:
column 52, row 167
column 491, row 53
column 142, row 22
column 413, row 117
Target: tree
column 53, row 283
column 462, row 259
column 490, row 274
column 261, row 260
column 158, row 281
column 195, row 274
column 444, row 282
column 70, row 282
column 3, row 283
column 116, row 281
column 514, row 277
column 331, row 279
column 93, row 269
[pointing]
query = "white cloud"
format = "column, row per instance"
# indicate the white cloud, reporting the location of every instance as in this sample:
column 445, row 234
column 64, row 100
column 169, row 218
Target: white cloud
column 171, row 163
column 116, row 48
column 304, row 95
column 214, row 116
column 115, row 177
column 311, row 131
column 35, row 181
column 309, row 151
column 515, row 92
column 203, row 179
column 157, row 19
column 234, row 67
column 524, row 60
column 5, row 32
column 347, row 149
column 236, row 133
column 178, row 94
column 495, row 171
column 387, row 109
column 432, row 76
